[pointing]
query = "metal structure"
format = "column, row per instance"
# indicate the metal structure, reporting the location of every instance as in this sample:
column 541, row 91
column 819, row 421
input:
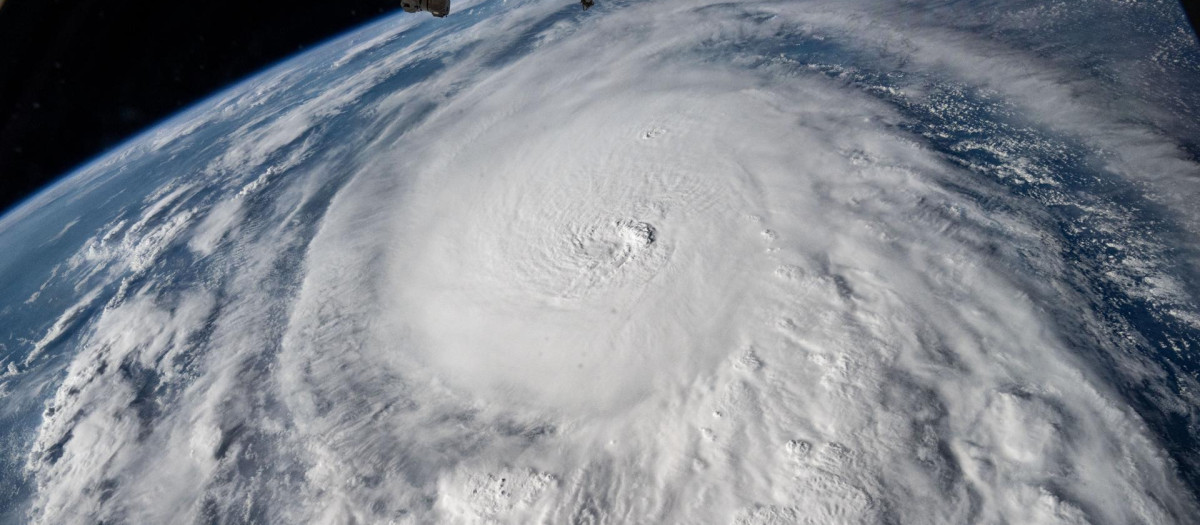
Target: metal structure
column 438, row 8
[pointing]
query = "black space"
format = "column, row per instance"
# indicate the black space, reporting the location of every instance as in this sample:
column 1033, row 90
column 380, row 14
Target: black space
column 80, row 76
column 1193, row 13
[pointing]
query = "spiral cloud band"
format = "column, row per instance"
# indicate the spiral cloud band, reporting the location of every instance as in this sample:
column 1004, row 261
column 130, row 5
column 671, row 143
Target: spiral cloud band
column 660, row 262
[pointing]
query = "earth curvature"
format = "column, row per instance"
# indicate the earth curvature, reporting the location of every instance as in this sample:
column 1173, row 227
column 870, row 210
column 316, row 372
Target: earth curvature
column 749, row 262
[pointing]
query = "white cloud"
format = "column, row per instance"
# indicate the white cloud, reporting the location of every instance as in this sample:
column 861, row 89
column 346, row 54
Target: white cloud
column 644, row 271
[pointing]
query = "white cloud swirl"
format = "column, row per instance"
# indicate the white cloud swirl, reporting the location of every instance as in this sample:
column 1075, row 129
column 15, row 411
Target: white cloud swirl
column 753, row 262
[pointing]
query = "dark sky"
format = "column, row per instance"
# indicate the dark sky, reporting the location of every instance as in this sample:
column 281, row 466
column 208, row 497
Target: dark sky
column 80, row 76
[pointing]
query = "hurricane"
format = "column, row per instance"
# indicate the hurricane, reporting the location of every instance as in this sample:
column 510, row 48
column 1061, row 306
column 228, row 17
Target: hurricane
column 748, row 262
